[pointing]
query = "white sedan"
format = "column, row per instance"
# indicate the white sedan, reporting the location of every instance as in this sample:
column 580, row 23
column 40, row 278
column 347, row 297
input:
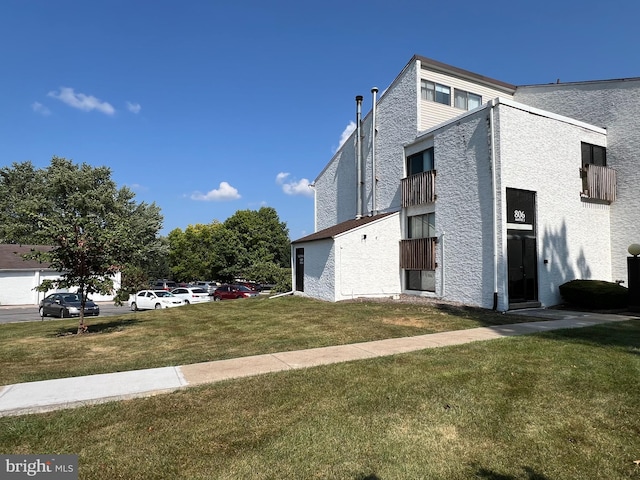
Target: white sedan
column 192, row 294
column 154, row 299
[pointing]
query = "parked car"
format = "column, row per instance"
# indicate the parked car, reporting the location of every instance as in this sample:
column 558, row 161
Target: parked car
column 192, row 294
column 154, row 299
column 208, row 286
column 252, row 285
column 66, row 305
column 164, row 285
column 231, row 292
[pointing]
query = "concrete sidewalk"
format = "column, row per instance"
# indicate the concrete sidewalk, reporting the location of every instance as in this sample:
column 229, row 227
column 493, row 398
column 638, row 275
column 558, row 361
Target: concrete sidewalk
column 48, row 395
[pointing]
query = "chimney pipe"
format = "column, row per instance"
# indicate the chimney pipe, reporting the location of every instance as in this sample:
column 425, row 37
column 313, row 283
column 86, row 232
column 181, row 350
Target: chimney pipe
column 374, row 180
column 359, row 156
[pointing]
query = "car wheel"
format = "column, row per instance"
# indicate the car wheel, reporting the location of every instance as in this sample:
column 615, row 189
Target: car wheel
column 216, row 299
column 134, row 307
column 158, row 306
column 186, row 302
column 41, row 312
column 62, row 313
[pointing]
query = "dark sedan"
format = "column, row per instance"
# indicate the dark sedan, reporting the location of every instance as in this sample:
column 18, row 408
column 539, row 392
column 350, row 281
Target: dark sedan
column 66, row 305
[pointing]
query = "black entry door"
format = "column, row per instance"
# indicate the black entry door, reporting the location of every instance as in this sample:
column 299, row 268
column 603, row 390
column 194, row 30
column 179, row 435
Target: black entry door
column 523, row 272
column 300, row 269
column 521, row 246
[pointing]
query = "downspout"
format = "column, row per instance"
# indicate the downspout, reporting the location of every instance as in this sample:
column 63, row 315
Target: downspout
column 374, row 180
column 494, row 204
column 442, row 289
column 359, row 156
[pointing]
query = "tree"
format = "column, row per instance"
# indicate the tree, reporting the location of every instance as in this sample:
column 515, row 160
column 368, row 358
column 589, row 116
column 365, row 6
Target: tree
column 253, row 244
column 95, row 228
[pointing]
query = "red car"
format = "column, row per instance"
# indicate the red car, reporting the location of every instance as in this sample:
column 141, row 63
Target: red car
column 230, row 292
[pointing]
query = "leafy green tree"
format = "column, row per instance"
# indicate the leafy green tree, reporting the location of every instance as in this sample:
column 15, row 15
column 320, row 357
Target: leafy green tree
column 95, row 228
column 251, row 243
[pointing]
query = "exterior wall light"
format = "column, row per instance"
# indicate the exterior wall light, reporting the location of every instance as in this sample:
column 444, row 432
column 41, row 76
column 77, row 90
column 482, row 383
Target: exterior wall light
column 634, row 249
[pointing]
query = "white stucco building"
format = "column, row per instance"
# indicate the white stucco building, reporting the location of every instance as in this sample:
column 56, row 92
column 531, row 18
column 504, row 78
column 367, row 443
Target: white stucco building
column 477, row 191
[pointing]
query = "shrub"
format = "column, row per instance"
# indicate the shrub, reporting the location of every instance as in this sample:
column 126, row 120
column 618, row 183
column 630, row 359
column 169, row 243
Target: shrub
column 595, row 294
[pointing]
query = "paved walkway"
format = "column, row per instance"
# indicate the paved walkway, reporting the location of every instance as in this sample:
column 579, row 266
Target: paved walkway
column 48, row 395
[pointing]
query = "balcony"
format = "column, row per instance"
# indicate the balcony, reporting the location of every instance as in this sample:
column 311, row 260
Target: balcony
column 418, row 254
column 418, row 189
column 598, row 183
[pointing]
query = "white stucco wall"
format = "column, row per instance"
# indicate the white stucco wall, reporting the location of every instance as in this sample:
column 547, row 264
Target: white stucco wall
column 319, row 269
column 544, row 155
column 533, row 152
column 366, row 262
column 614, row 105
column 464, row 211
column 336, row 189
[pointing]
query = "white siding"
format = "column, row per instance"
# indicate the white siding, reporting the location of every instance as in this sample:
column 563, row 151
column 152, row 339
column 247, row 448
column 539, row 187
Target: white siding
column 17, row 287
column 433, row 113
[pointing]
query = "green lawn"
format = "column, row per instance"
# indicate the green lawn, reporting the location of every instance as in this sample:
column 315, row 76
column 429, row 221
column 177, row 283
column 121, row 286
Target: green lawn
column 214, row 331
column 559, row 405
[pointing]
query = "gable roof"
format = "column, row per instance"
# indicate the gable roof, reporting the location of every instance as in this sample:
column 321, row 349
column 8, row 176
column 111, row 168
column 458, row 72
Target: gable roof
column 11, row 257
column 335, row 230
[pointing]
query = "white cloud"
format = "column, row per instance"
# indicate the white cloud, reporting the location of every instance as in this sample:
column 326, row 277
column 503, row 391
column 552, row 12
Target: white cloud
column 222, row 193
column 346, row 133
column 294, row 187
column 134, row 107
column 82, row 101
column 41, row 109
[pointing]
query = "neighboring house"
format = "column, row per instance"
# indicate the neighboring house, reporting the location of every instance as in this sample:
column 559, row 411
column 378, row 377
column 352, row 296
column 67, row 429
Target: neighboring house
column 485, row 193
column 20, row 277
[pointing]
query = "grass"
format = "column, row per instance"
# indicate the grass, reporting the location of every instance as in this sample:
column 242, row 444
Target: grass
column 215, row 331
column 559, row 405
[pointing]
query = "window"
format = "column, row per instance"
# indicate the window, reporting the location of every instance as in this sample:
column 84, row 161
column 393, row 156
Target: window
column 593, row 155
column 422, row 226
column 424, row 280
column 466, row 100
column 434, row 92
column 420, row 162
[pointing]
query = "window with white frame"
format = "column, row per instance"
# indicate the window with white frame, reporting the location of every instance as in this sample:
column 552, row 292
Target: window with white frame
column 435, row 92
column 466, row 100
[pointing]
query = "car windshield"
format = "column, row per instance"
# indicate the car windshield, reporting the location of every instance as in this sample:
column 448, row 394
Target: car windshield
column 163, row 293
column 198, row 290
column 242, row 288
column 72, row 297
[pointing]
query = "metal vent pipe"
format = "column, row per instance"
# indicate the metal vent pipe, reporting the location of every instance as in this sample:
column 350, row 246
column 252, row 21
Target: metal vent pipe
column 374, row 180
column 359, row 156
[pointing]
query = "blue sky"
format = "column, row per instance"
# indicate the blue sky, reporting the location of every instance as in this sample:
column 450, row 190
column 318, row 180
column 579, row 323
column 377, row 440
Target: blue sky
column 209, row 107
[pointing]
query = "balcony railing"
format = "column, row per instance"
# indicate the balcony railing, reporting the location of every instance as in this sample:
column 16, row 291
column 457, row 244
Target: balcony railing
column 419, row 189
column 418, row 254
column 599, row 183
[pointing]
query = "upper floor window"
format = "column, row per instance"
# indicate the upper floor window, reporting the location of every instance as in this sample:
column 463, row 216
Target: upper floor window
column 466, row 100
column 435, row 92
column 421, row 226
column 420, row 162
column 594, row 155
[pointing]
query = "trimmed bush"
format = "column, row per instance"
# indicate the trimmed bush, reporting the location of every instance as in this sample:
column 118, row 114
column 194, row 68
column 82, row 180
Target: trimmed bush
column 596, row 294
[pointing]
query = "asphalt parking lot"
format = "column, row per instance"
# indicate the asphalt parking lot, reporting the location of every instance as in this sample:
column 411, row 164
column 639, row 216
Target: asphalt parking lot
column 29, row 313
